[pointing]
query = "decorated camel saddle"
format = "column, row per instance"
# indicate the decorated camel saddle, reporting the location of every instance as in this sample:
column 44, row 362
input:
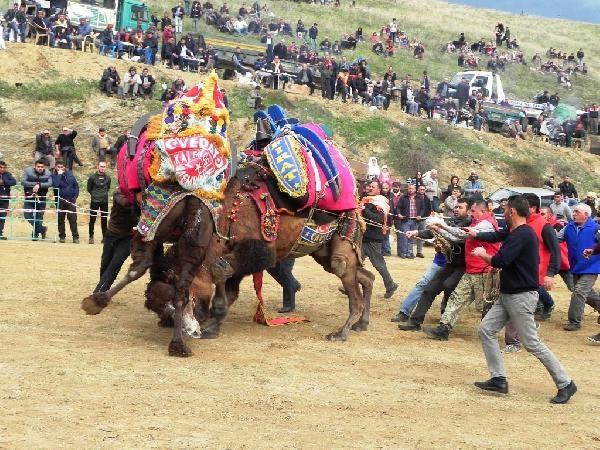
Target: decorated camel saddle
column 179, row 152
column 310, row 171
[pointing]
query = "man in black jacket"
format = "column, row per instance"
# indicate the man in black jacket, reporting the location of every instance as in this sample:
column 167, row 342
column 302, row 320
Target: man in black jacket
column 305, row 77
column 44, row 148
column 98, row 185
column 567, row 189
column 463, row 91
column 66, row 189
column 410, row 210
column 6, row 182
column 374, row 211
column 110, row 81
column 360, row 89
column 65, row 146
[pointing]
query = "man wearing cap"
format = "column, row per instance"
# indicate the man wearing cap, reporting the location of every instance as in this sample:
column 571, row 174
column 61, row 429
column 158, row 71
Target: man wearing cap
column 101, row 144
column 44, row 149
column 83, row 29
column 473, row 188
column 6, row 182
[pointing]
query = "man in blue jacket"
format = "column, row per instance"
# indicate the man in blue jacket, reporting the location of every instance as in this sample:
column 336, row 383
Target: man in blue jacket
column 580, row 234
column 6, row 182
column 67, row 190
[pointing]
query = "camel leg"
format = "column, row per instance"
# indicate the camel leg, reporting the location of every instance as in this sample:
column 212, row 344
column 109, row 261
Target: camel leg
column 191, row 248
column 356, row 305
column 365, row 279
column 142, row 254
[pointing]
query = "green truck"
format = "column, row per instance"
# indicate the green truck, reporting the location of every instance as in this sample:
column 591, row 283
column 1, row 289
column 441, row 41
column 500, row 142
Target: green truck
column 121, row 13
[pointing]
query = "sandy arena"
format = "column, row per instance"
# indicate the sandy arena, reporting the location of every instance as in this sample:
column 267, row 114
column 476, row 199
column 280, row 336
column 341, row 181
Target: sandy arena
column 76, row 381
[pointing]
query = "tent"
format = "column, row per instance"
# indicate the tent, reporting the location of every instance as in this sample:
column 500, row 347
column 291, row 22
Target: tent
column 546, row 195
column 564, row 112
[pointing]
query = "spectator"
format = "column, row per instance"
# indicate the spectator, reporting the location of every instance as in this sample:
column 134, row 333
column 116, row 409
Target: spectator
column 101, row 144
column 98, row 186
column 567, row 188
column 238, row 61
column 178, row 14
column 454, row 184
column 442, row 89
column 411, row 210
column 579, row 234
column 106, row 40
column 83, row 29
column 165, row 23
column 550, row 184
column 580, row 56
column 590, row 200
column 150, row 48
column 39, row 26
column 473, row 187
column 255, row 99
column 421, row 194
column 36, row 180
column 17, row 20
column 375, row 210
column 110, row 81
column 462, row 93
column 66, row 189
column 132, row 82
column 432, row 188
column 195, row 14
column 305, row 77
column 360, row 89
column 313, row 32
column 6, row 182
column 65, row 147
column 147, row 83
column 451, row 202
column 560, row 209
column 44, row 149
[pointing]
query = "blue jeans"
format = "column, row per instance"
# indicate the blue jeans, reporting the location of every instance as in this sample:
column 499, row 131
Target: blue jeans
column 386, row 249
column 407, row 244
column 411, row 300
column 36, row 216
column 545, row 297
column 149, row 55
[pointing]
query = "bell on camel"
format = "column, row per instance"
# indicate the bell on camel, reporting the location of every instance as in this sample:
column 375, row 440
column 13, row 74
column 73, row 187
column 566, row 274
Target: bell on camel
column 263, row 130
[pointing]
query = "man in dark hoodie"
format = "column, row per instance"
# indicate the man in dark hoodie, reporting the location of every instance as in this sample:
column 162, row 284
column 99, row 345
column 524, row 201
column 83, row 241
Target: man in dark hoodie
column 66, row 189
column 6, row 182
column 36, row 180
column 98, row 185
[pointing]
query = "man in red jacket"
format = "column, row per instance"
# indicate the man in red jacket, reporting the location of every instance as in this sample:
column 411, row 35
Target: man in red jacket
column 476, row 285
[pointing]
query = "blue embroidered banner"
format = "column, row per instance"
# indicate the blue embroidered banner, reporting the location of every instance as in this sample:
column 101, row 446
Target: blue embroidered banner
column 286, row 162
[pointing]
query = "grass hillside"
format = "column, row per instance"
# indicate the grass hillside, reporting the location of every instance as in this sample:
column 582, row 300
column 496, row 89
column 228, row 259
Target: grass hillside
column 60, row 88
column 435, row 23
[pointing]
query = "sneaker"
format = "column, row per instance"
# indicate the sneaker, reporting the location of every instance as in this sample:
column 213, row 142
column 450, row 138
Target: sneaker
column 91, row 240
column 563, row 395
column 495, row 384
column 572, row 326
column 389, row 292
column 410, row 256
column 440, row 333
column 409, row 326
column 595, row 340
column 400, row 317
column 75, row 240
column 512, row 348
column 420, row 255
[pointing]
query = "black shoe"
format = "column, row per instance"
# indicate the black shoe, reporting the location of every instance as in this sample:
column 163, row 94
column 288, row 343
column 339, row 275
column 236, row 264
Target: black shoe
column 62, row 240
column 298, row 287
column 440, row 333
column 389, row 292
column 409, row 326
column 2, row 238
column 44, row 231
column 572, row 326
column 420, row 255
column 75, row 240
column 285, row 309
column 400, row 317
column 496, row 384
column 564, row 394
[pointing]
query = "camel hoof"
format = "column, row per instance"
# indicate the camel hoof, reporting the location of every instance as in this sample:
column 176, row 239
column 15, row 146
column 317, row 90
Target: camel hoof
column 337, row 336
column 179, row 349
column 94, row 304
column 360, row 326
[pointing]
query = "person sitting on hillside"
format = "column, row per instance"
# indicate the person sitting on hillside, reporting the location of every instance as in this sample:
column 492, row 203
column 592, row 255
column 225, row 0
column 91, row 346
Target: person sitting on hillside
column 300, row 29
column 61, row 32
column 83, row 29
column 110, row 81
column 147, row 84
column 105, row 39
column 419, row 50
column 131, row 82
column 360, row 89
column 39, row 25
column 325, row 45
column 305, row 77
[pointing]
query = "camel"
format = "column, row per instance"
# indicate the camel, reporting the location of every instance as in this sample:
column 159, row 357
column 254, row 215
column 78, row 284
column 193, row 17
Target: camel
column 176, row 165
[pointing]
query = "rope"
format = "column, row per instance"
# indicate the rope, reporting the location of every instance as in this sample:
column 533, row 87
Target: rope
column 79, row 210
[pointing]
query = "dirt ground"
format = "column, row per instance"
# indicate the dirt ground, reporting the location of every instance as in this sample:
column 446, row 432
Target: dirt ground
column 70, row 380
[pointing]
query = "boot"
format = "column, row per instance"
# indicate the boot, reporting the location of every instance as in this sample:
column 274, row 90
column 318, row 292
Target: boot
column 564, row 394
column 440, row 333
column 496, row 384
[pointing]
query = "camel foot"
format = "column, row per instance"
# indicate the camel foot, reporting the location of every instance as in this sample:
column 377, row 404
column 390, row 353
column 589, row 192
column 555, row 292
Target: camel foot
column 179, row 349
column 360, row 326
column 166, row 322
column 337, row 336
column 95, row 303
column 209, row 333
